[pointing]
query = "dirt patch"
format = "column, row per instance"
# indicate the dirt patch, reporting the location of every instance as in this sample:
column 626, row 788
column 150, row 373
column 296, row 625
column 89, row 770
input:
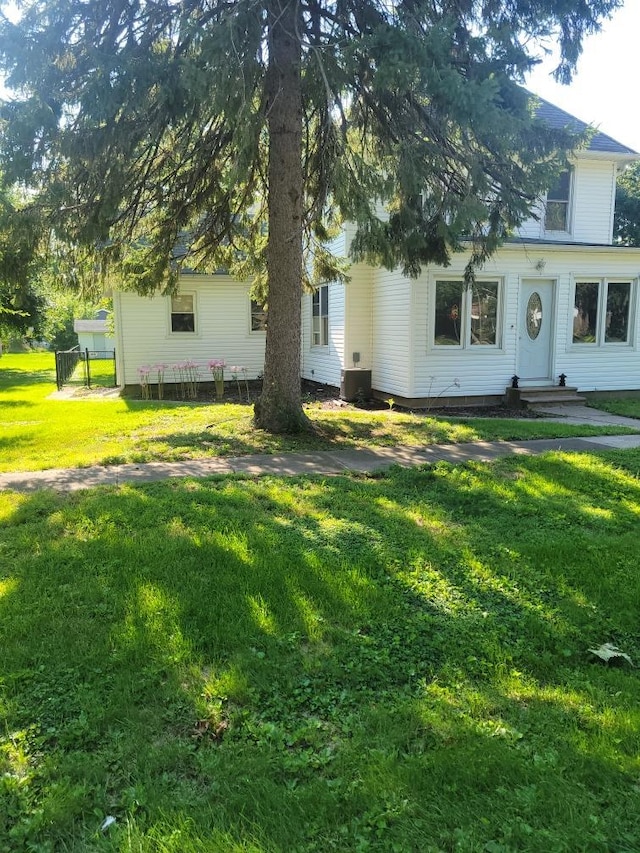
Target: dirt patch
column 327, row 397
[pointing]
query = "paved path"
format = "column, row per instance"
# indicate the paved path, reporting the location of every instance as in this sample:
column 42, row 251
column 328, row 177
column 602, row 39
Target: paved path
column 579, row 415
column 330, row 462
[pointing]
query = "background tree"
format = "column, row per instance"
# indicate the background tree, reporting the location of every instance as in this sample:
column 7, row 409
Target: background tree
column 626, row 222
column 135, row 122
column 21, row 303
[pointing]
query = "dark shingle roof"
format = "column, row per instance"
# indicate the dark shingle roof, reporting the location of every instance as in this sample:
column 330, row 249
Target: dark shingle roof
column 555, row 117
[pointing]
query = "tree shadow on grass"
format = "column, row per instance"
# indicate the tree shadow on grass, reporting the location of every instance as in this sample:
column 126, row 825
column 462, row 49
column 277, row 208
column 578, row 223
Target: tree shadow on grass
column 354, row 663
column 9, row 444
column 214, row 442
column 11, row 379
column 16, row 404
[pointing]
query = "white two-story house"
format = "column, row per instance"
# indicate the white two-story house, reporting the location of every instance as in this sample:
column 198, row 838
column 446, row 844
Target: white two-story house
column 557, row 298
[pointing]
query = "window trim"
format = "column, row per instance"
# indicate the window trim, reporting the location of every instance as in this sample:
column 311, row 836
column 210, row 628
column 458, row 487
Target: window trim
column 194, row 297
column 261, row 310
column 569, row 206
column 322, row 333
column 603, row 283
column 465, row 344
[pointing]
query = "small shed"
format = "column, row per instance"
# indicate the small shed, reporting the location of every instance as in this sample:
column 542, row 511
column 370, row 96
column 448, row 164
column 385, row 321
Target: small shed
column 94, row 335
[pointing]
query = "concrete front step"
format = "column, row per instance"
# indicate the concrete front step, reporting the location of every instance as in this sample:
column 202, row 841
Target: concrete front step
column 543, row 395
column 551, row 398
column 548, row 389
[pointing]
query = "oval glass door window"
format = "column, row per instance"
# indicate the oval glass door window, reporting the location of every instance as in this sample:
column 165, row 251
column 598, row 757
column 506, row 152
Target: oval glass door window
column 534, row 315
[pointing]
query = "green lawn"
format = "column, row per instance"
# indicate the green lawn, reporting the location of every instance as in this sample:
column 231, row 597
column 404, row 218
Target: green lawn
column 37, row 432
column 389, row 663
column 629, row 408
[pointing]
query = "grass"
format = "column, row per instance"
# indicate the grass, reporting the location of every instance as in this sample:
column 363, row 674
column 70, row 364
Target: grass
column 627, row 407
column 38, row 433
column 389, row 663
column 101, row 371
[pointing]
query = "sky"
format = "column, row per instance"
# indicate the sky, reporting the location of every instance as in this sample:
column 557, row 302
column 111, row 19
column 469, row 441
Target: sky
column 605, row 91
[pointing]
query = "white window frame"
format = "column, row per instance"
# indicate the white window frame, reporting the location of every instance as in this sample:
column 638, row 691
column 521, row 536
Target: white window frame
column 320, row 320
column 603, row 283
column 194, row 303
column 569, row 206
column 465, row 308
column 254, row 312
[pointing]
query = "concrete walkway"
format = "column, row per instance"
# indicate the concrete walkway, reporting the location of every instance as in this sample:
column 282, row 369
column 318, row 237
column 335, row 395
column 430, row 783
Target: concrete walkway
column 579, row 415
column 329, row 462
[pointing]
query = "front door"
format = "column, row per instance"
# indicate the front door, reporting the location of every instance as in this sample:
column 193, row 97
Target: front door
column 535, row 330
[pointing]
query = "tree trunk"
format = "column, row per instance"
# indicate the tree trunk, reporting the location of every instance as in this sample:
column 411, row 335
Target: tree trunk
column 279, row 408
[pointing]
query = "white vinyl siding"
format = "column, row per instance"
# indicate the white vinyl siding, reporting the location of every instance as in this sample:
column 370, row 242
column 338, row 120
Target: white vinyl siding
column 324, row 363
column 405, row 362
column 358, row 316
column 392, row 332
column 223, row 329
column 594, row 200
column 592, row 203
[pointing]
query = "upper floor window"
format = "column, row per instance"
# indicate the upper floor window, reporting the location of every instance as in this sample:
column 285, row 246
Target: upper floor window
column 467, row 316
column 320, row 316
column 258, row 316
column 556, row 214
column 601, row 312
column 183, row 315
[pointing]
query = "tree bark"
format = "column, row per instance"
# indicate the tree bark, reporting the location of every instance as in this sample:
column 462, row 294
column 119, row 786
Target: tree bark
column 279, row 408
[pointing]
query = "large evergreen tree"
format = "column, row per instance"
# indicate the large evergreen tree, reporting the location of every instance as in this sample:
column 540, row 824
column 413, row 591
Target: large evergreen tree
column 22, row 305
column 626, row 222
column 254, row 126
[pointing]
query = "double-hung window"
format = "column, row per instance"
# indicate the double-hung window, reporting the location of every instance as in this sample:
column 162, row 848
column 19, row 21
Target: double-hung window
column 467, row 317
column 258, row 316
column 557, row 206
column 320, row 316
column 183, row 314
column 602, row 312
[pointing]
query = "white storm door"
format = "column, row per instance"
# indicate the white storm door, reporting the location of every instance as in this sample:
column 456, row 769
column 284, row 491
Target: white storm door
column 535, row 329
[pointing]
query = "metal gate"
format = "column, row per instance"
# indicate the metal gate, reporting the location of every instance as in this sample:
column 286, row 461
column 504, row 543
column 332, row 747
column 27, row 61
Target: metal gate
column 74, row 366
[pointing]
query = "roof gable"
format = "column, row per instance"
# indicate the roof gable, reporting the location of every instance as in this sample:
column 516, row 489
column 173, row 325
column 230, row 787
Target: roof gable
column 600, row 142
